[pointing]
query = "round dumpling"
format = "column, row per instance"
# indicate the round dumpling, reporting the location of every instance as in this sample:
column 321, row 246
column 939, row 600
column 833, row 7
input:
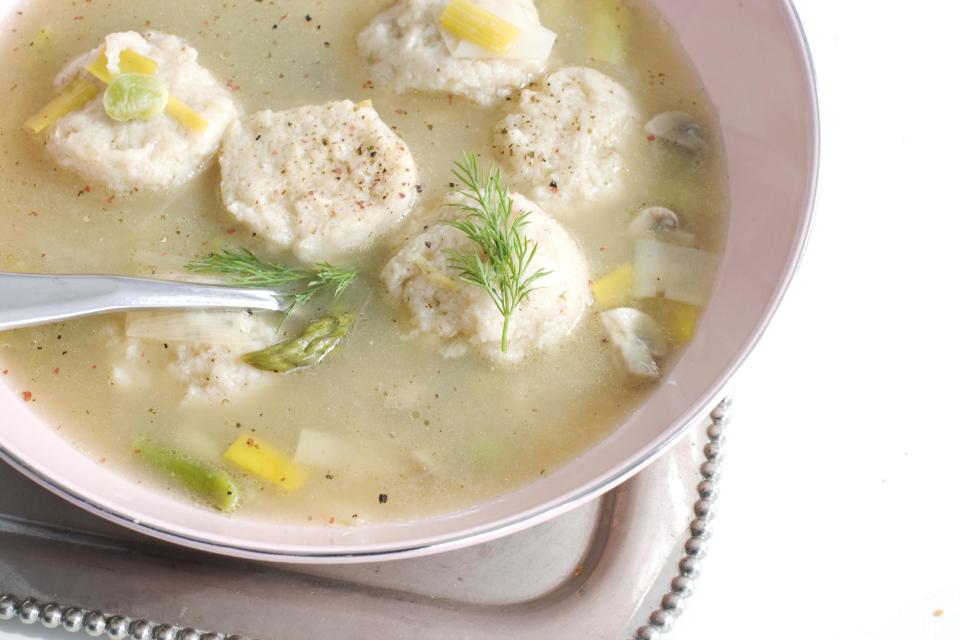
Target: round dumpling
column 324, row 181
column 420, row 280
column 406, row 51
column 561, row 142
column 154, row 154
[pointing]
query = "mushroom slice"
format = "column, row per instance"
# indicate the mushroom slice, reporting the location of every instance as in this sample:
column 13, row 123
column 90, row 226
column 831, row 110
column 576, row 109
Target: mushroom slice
column 660, row 223
column 679, row 128
column 638, row 338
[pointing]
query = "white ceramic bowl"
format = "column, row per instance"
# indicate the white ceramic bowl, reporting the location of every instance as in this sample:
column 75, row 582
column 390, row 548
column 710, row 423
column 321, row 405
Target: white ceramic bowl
column 752, row 57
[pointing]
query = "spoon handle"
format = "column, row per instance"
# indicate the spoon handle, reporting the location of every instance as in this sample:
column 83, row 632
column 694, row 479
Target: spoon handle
column 29, row 299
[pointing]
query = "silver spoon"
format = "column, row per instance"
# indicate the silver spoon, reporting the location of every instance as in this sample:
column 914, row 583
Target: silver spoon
column 32, row 299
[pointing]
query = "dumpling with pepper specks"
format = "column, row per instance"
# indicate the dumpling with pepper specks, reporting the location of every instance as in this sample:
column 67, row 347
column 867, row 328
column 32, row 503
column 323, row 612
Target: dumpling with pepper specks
column 325, row 181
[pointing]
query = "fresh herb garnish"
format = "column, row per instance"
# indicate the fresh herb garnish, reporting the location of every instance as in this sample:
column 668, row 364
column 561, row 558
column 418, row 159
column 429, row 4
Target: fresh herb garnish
column 503, row 254
column 247, row 270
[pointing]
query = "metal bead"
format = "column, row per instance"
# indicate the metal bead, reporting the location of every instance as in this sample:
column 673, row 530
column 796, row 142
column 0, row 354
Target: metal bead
column 8, row 606
column 720, row 411
column 690, row 567
column 648, row 633
column 51, row 615
column 701, row 528
column 140, row 630
column 29, row 611
column 73, row 619
column 696, row 547
column 682, row 586
column 704, row 508
column 710, row 470
column 94, row 623
column 713, row 451
column 717, row 431
column 164, row 632
column 707, row 489
column 210, row 636
column 672, row 603
column 118, row 627
column 662, row 620
column 188, row 634
column 234, row 636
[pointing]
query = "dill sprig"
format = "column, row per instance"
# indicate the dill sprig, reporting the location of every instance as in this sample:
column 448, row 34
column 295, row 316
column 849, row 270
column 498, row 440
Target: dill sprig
column 503, row 254
column 244, row 269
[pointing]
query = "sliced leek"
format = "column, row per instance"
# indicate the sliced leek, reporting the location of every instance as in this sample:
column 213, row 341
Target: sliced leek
column 616, row 288
column 260, row 459
column 608, row 40
column 74, row 97
column 186, row 116
column 466, row 20
column 135, row 96
column 130, row 62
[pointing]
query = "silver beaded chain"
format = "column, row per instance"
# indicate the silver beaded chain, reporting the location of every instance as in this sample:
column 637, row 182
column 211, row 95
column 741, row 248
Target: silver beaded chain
column 672, row 604
column 96, row 623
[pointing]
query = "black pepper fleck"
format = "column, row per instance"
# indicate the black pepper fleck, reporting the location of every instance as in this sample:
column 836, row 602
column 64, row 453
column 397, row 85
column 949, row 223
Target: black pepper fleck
column 383, row 498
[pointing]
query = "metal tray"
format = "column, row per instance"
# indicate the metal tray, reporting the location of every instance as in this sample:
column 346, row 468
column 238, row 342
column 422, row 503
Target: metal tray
column 596, row 572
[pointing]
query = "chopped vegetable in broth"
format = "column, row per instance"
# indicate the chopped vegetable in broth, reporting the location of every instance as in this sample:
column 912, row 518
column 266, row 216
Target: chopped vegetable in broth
column 488, row 267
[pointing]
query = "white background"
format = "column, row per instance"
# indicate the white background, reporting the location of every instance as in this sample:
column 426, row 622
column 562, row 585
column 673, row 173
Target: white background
column 839, row 504
column 840, row 495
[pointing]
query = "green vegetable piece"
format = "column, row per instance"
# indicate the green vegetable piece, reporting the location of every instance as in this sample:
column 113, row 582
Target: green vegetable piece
column 308, row 350
column 135, row 96
column 213, row 484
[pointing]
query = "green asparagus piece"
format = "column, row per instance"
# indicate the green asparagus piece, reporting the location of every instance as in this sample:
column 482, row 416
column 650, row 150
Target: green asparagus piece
column 309, row 349
column 213, row 484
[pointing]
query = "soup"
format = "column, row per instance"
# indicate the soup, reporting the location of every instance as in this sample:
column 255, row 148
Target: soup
column 415, row 411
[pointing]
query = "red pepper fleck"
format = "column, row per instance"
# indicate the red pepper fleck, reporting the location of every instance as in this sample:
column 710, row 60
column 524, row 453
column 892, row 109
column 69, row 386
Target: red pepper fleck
column 27, row 396
column 230, row 232
column 232, row 85
column 112, row 197
column 6, row 371
column 450, row 98
column 34, row 214
column 651, row 138
column 56, row 371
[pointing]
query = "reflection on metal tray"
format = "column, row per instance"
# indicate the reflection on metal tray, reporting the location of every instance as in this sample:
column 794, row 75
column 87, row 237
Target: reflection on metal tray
column 586, row 574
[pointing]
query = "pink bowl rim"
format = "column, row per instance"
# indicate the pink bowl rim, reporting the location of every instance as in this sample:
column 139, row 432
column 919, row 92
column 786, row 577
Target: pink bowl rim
column 556, row 506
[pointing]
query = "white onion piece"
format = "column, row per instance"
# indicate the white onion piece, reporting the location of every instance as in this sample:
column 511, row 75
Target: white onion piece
column 332, row 452
column 673, row 272
column 638, row 339
column 225, row 328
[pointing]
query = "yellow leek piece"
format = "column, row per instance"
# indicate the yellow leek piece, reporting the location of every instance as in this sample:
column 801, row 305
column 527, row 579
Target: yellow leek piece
column 75, row 96
column 260, row 459
column 467, row 21
column 363, row 104
column 678, row 319
column 616, row 288
column 186, row 116
column 130, row 62
column 608, row 40
column 41, row 41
